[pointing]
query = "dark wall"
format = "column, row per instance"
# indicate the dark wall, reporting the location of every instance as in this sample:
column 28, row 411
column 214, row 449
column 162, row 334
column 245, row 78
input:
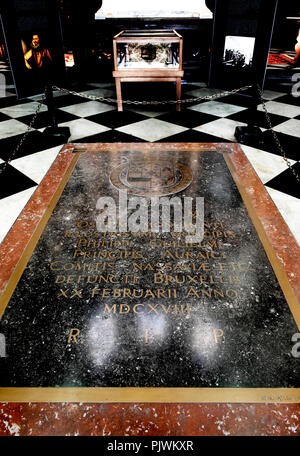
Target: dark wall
column 79, row 30
column 285, row 31
column 91, row 40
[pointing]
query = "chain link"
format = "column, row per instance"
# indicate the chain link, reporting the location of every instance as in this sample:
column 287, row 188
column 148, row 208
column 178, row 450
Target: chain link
column 158, row 102
column 29, row 129
column 275, row 137
column 154, row 102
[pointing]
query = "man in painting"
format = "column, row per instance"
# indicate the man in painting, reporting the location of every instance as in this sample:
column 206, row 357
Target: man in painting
column 37, row 56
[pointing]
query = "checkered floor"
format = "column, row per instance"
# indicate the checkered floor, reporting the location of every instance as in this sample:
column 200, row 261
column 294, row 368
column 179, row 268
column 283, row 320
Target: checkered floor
column 92, row 121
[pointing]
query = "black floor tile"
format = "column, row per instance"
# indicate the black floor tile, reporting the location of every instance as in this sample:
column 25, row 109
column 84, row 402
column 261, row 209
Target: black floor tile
column 4, row 117
column 278, row 85
column 238, row 100
column 34, row 142
column 193, row 136
column 258, row 118
column 42, row 119
column 149, row 92
column 12, row 181
column 289, row 99
column 6, row 102
column 187, row 118
column 83, row 87
column 116, row 119
column 108, row 137
column 286, row 182
column 68, row 100
column 290, row 144
column 160, row 109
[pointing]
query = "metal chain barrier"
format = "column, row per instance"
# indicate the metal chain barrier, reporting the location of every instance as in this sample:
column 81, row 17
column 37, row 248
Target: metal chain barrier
column 155, row 102
column 160, row 102
column 29, row 129
column 275, row 137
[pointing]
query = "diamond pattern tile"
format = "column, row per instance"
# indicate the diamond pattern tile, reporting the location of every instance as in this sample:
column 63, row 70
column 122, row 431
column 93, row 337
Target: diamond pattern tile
column 12, row 127
column 287, row 110
column 224, row 128
column 93, row 121
column 80, row 128
column 290, row 127
column 87, row 108
column 257, row 118
column 22, row 110
column 9, row 175
column 286, row 182
column 151, row 129
column 217, row 108
column 35, row 142
column 187, row 118
column 108, row 137
column 42, row 119
column 113, row 119
column 35, row 166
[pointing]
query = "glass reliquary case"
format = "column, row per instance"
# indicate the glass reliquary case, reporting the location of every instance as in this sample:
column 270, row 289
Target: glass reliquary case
column 147, row 56
column 148, row 49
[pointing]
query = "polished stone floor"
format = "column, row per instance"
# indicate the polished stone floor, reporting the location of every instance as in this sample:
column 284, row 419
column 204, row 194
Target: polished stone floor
column 208, row 338
column 208, row 121
column 155, row 311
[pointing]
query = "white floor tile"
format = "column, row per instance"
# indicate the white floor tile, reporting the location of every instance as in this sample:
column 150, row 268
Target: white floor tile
column 88, row 108
column 150, row 113
column 198, row 84
column 21, row 110
column 7, row 94
column 272, row 95
column 290, row 127
column 80, row 128
column 282, row 109
column 102, row 84
column 217, row 108
column 266, row 165
column 35, row 166
column 152, row 129
column 101, row 92
column 56, row 93
column 11, row 128
column 289, row 207
column 10, row 209
column 224, row 128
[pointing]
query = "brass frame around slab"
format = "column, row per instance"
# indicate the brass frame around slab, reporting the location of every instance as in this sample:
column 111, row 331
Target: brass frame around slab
column 155, row 395
column 151, row 395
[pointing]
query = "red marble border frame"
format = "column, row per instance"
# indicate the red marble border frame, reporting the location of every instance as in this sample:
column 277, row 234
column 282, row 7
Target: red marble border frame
column 20, row 234
column 151, row 419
